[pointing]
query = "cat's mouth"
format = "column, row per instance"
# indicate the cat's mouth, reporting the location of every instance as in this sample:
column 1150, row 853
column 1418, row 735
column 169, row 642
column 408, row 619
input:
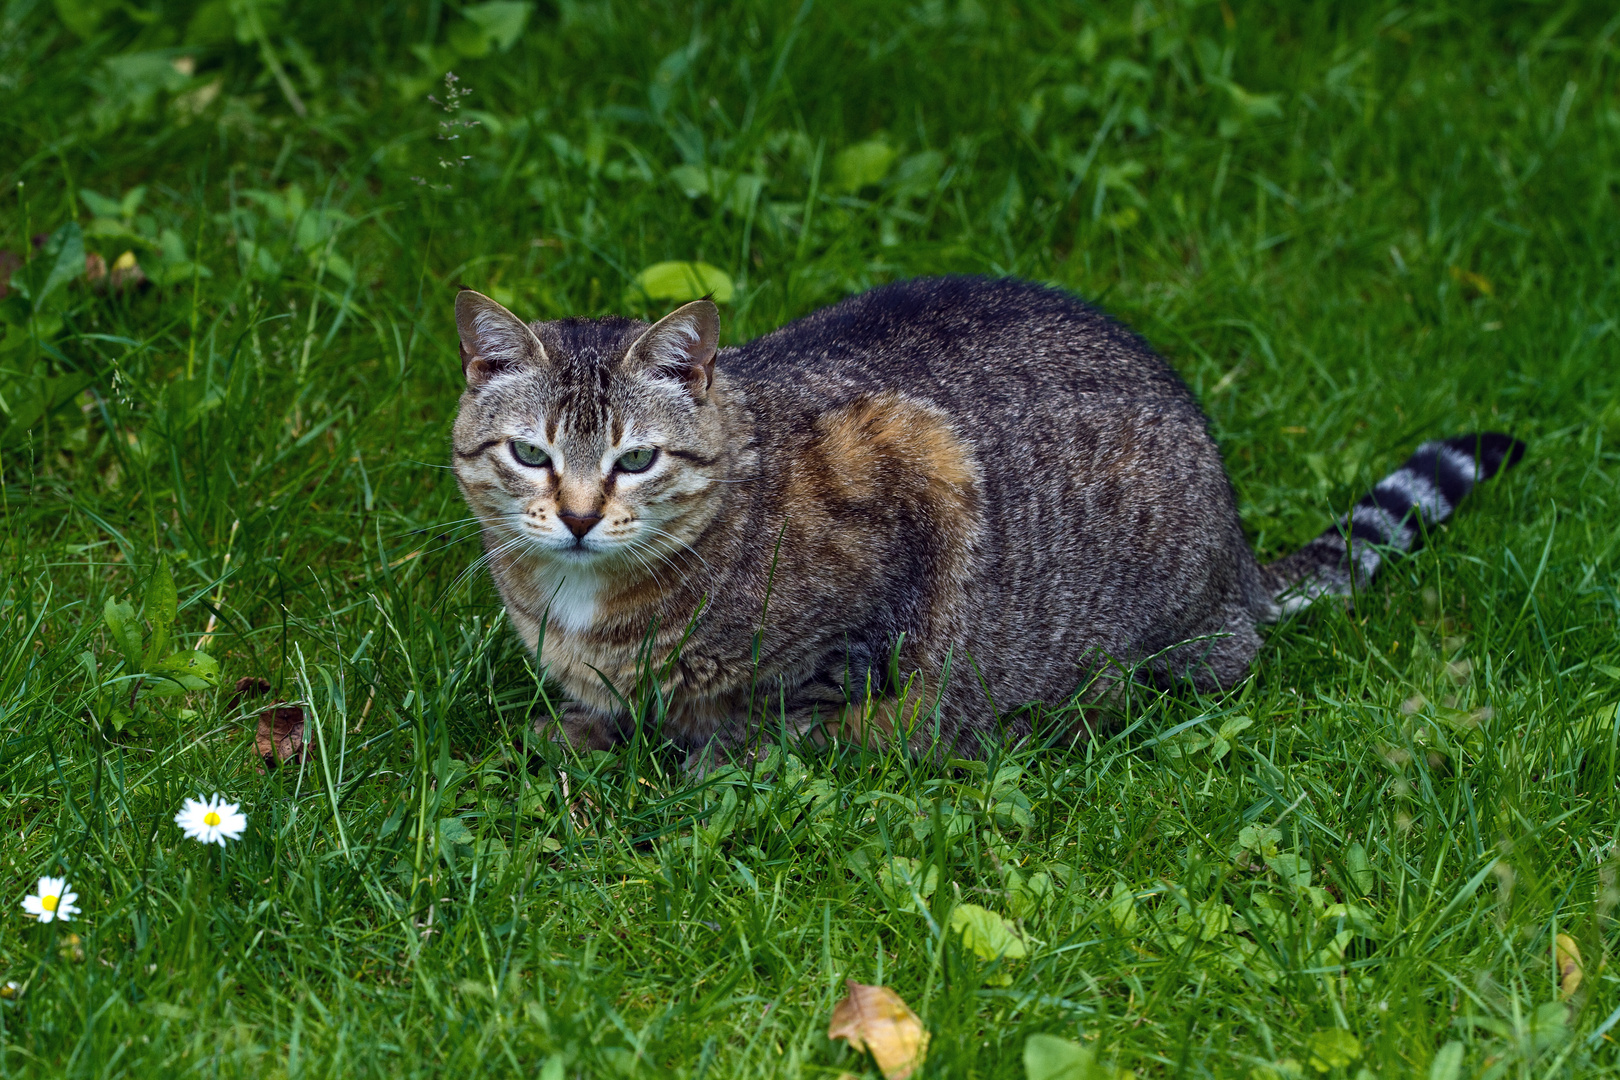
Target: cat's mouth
column 576, row 549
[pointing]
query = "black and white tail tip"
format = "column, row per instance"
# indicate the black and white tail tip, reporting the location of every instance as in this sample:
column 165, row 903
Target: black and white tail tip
column 1421, row 493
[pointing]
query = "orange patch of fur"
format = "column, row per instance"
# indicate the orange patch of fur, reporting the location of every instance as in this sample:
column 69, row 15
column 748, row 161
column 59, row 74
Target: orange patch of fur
column 864, row 440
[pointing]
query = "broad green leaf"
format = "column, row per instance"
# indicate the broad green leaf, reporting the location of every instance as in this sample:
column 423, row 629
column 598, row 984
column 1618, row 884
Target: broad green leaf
column 1333, row 1048
column 182, row 673
column 863, row 165
column 1028, row 897
column 680, row 282
column 956, row 823
column 1255, row 106
column 1013, row 811
column 901, row 875
column 1214, row 919
column 64, row 254
column 160, row 609
column 1048, row 1057
column 1447, row 1062
column 720, row 823
column 100, row 205
column 1549, row 1025
column 671, row 70
column 452, row 830
column 1122, row 907
column 1293, row 869
column 161, row 599
column 126, row 632
column 1359, row 868
column 693, row 180
column 989, row 935
column 1355, row 916
column 1260, row 840
column 131, row 201
column 1184, row 745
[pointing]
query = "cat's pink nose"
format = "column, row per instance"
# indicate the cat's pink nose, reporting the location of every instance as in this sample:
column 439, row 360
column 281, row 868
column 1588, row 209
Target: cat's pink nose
column 578, row 524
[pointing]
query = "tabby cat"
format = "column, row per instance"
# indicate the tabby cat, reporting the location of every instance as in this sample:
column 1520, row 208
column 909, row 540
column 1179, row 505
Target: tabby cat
column 904, row 516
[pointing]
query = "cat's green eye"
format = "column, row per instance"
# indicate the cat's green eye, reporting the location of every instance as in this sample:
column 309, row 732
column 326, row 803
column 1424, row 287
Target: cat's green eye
column 529, row 454
column 637, row 460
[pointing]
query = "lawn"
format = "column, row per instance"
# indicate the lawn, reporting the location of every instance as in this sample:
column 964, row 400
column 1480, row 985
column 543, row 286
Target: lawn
column 1390, row 852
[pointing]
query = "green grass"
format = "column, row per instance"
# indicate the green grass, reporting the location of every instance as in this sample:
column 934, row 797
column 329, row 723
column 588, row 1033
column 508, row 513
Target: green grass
column 1350, row 227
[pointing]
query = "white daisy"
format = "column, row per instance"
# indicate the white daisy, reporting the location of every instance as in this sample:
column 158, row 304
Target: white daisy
column 213, row 821
column 52, row 901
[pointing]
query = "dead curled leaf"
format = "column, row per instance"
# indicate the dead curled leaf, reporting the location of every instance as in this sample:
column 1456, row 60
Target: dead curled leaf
column 280, row 734
column 1567, row 959
column 878, row 1020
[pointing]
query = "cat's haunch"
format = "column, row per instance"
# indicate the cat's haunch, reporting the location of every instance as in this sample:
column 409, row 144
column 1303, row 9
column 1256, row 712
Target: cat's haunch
column 903, row 516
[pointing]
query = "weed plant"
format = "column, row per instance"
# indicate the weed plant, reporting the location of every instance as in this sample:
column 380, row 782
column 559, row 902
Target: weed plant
column 1350, row 227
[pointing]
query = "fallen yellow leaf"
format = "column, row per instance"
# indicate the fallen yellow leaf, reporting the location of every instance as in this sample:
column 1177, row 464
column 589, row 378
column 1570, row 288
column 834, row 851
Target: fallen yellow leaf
column 1567, row 959
column 878, row 1020
column 1478, row 282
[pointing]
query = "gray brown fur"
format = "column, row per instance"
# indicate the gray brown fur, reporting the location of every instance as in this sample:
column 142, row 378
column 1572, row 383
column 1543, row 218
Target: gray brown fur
column 982, row 478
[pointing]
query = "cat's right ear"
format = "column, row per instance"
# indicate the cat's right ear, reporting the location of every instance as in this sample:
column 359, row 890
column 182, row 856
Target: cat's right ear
column 493, row 339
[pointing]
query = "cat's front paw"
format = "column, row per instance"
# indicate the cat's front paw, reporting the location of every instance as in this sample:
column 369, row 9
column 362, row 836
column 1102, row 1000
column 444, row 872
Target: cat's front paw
column 717, row 754
column 580, row 729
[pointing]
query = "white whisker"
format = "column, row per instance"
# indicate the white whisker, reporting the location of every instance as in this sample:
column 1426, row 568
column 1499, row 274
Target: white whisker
column 656, row 531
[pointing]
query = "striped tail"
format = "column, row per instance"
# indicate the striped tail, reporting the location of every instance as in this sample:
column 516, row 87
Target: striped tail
column 1421, row 493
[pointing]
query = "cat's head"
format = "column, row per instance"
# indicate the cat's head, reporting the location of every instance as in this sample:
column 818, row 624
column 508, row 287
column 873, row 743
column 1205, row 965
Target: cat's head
column 594, row 443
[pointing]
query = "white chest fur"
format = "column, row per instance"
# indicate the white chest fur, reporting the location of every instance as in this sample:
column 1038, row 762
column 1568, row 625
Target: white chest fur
column 572, row 600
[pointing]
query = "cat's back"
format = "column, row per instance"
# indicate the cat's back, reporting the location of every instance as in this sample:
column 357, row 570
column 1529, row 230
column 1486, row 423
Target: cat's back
column 960, row 339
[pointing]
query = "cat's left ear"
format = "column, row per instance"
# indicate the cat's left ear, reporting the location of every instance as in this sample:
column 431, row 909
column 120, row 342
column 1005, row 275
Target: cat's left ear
column 680, row 346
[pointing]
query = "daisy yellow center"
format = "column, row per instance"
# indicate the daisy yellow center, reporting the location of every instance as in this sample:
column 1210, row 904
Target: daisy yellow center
column 48, row 903
column 210, row 819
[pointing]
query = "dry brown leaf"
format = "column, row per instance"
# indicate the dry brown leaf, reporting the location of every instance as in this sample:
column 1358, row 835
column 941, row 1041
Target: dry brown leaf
column 281, row 735
column 249, row 686
column 878, row 1020
column 9, row 261
column 1567, row 959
